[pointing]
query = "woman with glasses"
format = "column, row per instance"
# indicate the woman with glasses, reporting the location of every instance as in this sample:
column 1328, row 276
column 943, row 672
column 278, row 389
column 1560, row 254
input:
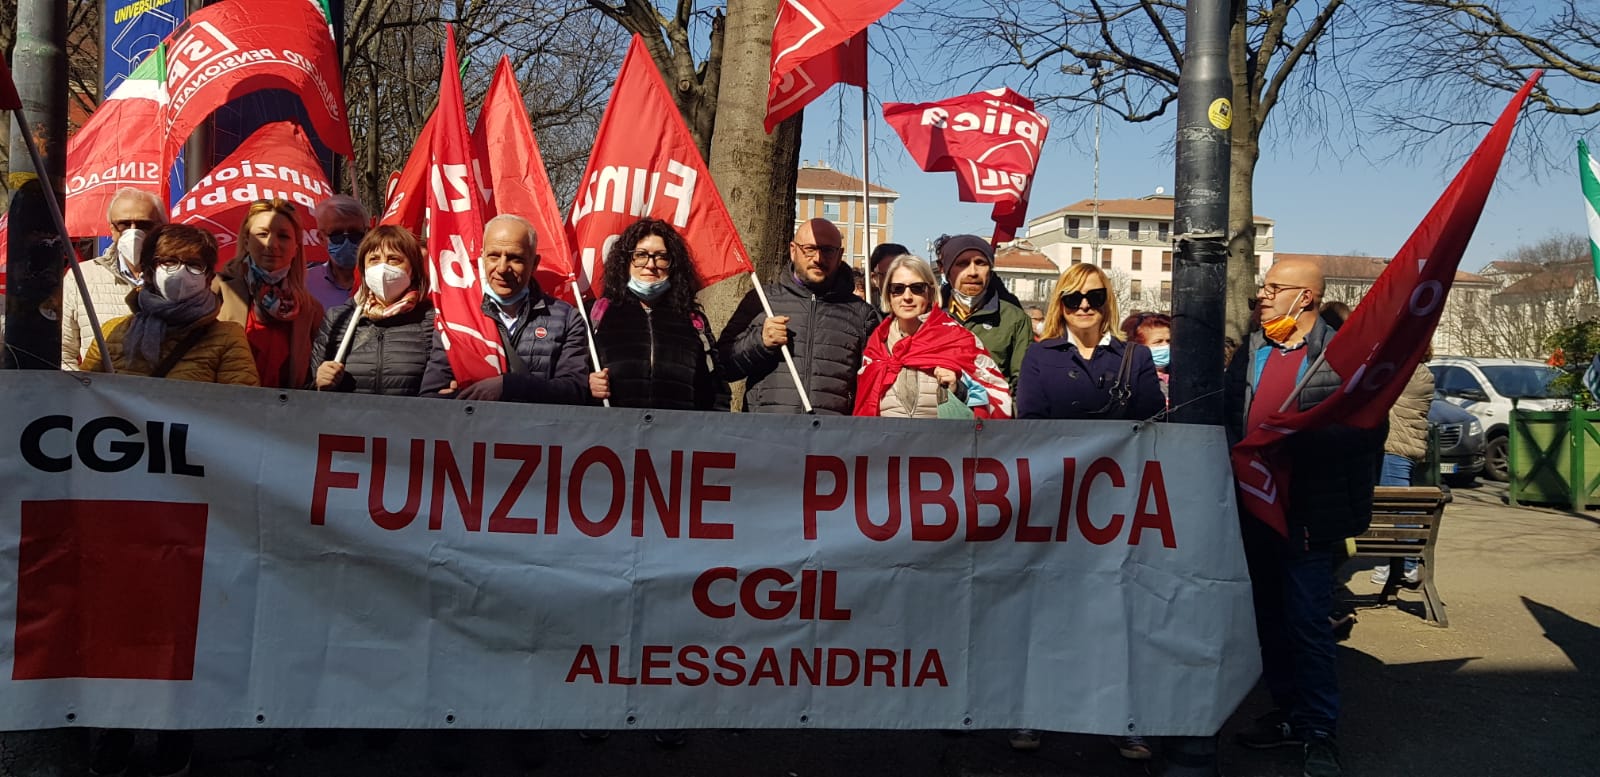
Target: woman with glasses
column 921, row 363
column 655, row 345
column 264, row 290
column 174, row 331
column 1081, row 368
column 393, row 318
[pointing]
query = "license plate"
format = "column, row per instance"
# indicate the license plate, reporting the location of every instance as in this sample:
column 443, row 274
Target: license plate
column 1447, row 469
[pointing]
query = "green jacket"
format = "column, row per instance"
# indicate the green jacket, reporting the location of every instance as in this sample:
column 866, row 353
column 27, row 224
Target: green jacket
column 1003, row 328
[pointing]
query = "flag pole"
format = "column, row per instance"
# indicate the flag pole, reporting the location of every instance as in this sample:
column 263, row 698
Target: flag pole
column 866, row 195
column 55, row 214
column 788, row 358
column 350, row 329
column 588, row 329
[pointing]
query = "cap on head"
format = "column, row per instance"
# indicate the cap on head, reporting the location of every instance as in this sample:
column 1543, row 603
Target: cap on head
column 958, row 245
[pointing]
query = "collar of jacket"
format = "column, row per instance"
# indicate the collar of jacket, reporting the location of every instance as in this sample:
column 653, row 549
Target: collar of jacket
column 1107, row 342
column 108, row 260
column 839, row 287
column 537, row 302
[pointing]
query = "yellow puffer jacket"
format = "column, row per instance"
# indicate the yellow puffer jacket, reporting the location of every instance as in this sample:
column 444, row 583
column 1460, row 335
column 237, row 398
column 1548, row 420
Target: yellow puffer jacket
column 221, row 356
column 1408, row 419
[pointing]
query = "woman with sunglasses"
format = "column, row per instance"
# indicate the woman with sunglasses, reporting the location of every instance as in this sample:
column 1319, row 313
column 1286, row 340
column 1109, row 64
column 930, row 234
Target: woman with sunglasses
column 921, row 363
column 656, row 347
column 264, row 290
column 1081, row 368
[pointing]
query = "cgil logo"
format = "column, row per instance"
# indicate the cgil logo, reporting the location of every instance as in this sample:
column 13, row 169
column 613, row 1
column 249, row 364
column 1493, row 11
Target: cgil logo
column 998, row 119
column 108, row 444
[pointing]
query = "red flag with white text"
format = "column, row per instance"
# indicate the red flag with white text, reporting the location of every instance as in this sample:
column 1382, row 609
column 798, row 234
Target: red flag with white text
column 408, row 189
column 1384, row 339
column 845, row 63
column 645, row 163
column 119, row 146
column 275, row 161
column 807, row 29
column 511, row 171
column 455, row 220
column 990, row 139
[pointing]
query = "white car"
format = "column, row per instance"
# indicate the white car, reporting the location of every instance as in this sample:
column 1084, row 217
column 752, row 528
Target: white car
column 1486, row 388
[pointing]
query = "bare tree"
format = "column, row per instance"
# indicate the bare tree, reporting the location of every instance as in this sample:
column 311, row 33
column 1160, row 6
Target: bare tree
column 694, row 85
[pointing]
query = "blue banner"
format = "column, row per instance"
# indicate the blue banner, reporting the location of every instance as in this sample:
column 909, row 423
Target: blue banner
column 133, row 29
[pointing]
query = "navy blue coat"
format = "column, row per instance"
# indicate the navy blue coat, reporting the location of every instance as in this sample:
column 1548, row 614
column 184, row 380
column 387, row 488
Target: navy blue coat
column 552, row 344
column 1056, row 382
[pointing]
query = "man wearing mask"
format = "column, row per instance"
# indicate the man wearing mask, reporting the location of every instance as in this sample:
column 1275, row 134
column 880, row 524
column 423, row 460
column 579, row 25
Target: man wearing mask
column 111, row 276
column 343, row 222
column 1329, row 498
column 546, row 347
column 817, row 314
column 977, row 301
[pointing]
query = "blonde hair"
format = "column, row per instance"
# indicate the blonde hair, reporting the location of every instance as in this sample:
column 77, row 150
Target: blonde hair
column 296, row 280
column 1074, row 279
column 924, row 272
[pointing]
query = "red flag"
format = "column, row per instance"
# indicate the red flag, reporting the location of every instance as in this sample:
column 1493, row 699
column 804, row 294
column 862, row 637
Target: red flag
column 845, row 63
column 119, row 146
column 645, row 163
column 455, row 219
column 226, row 50
column 511, row 170
column 9, row 99
column 806, row 29
column 990, row 139
column 1382, row 342
column 408, row 188
column 275, row 161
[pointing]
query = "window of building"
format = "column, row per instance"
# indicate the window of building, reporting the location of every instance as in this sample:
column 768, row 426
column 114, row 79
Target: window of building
column 1164, row 232
column 1136, row 287
column 1041, row 288
column 830, row 211
column 1166, row 261
column 877, row 214
column 1105, row 258
column 1166, row 291
column 1133, row 230
column 1072, row 227
column 1138, row 259
column 1105, row 229
column 1077, row 254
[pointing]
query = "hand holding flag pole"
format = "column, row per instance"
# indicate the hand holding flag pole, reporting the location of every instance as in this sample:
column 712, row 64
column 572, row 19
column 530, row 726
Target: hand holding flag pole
column 588, row 328
column 788, row 358
column 11, row 101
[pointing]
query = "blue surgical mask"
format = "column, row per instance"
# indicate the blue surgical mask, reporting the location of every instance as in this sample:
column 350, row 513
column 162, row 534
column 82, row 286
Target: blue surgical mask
column 506, row 302
column 1162, row 354
column 342, row 252
column 266, row 277
column 649, row 291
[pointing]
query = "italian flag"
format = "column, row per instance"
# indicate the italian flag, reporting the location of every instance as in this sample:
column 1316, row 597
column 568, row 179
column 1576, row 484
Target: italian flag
column 1589, row 174
column 120, row 145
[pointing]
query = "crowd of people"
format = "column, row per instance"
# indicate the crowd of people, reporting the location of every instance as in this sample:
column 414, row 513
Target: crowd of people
column 942, row 338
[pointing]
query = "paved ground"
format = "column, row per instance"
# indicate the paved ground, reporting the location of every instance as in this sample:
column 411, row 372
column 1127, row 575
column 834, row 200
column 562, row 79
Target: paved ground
column 1511, row 688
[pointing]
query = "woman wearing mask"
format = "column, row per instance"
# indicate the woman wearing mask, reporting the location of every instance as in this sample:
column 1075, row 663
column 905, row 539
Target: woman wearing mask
column 264, row 290
column 1153, row 331
column 919, row 361
column 656, row 346
column 393, row 318
column 1082, row 368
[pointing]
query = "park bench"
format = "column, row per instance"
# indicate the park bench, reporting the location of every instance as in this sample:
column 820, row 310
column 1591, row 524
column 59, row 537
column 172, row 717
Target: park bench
column 1405, row 522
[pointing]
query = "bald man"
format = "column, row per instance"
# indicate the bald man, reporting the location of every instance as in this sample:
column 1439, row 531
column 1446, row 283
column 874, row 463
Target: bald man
column 1329, row 499
column 816, row 313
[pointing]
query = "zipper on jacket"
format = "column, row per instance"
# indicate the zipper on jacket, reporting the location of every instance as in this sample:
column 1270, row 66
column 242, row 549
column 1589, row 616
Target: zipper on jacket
column 811, row 346
column 650, row 330
column 377, row 375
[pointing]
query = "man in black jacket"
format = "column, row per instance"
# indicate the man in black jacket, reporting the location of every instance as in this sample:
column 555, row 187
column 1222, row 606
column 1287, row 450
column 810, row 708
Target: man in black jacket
column 543, row 336
column 1332, row 470
column 817, row 314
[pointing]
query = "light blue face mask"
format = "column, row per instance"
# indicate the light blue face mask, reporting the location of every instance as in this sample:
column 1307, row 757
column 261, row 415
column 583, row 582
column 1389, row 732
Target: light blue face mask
column 342, row 252
column 506, row 302
column 1162, row 354
column 649, row 291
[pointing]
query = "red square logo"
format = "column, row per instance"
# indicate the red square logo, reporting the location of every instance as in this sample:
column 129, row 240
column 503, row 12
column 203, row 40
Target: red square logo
column 109, row 588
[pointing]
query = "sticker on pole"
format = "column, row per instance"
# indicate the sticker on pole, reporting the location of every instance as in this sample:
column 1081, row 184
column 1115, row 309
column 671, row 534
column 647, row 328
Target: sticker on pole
column 1220, row 113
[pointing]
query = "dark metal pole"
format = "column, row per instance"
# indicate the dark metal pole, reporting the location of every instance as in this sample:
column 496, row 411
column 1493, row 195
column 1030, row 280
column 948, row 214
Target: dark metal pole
column 1199, row 276
column 197, row 149
column 36, row 256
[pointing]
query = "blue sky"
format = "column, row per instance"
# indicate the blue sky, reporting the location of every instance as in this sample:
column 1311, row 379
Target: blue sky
column 1321, row 205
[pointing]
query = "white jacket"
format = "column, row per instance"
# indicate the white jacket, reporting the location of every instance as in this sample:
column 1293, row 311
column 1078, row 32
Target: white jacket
column 108, row 290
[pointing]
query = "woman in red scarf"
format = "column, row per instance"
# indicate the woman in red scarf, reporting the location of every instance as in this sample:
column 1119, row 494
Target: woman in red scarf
column 264, row 290
column 920, row 358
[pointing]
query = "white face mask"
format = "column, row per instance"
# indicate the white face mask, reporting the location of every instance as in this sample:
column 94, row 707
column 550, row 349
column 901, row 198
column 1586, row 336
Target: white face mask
column 129, row 243
column 179, row 283
column 388, row 281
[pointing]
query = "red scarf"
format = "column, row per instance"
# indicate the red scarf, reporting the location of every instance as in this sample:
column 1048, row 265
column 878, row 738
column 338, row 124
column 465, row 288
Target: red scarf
column 940, row 342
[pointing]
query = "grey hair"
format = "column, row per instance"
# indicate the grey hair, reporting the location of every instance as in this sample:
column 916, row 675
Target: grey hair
column 344, row 205
column 923, row 270
column 129, row 192
column 533, row 234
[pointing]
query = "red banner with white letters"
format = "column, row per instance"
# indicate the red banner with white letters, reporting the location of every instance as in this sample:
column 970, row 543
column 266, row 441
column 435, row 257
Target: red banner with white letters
column 455, row 219
column 1384, row 339
column 845, row 63
column 645, row 163
column 990, row 139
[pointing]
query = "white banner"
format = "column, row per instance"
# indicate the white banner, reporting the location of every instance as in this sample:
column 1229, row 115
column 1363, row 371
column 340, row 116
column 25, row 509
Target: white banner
column 179, row 555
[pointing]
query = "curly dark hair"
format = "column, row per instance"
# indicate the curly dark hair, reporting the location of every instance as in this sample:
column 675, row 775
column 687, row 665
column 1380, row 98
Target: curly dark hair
column 685, row 282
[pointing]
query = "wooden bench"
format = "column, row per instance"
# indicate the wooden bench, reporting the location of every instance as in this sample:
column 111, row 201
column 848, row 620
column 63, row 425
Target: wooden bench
column 1405, row 523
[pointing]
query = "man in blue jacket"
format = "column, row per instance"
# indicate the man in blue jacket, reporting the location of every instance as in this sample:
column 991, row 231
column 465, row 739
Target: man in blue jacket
column 546, row 351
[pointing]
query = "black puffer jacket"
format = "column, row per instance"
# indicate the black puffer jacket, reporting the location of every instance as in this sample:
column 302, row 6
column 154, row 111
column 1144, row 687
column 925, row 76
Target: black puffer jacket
column 657, row 358
column 386, row 356
column 550, row 344
column 827, row 332
column 1333, row 468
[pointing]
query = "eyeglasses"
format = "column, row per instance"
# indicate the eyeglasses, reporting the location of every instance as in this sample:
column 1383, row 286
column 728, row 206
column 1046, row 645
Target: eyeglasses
column 127, row 224
column 351, row 235
column 197, row 266
column 919, row 288
column 658, row 259
column 1074, row 299
column 1272, row 289
column 809, row 251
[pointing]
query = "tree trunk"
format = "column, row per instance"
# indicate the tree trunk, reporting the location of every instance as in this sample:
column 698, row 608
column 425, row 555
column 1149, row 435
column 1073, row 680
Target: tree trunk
column 1245, row 136
column 754, row 171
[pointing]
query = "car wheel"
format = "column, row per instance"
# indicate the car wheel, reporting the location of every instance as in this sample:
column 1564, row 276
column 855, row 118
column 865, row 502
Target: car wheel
column 1496, row 462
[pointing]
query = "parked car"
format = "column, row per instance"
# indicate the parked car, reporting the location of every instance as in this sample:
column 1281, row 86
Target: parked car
column 1461, row 442
column 1488, row 389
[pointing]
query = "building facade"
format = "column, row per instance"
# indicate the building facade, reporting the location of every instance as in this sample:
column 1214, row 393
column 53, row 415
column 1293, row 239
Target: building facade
column 823, row 192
